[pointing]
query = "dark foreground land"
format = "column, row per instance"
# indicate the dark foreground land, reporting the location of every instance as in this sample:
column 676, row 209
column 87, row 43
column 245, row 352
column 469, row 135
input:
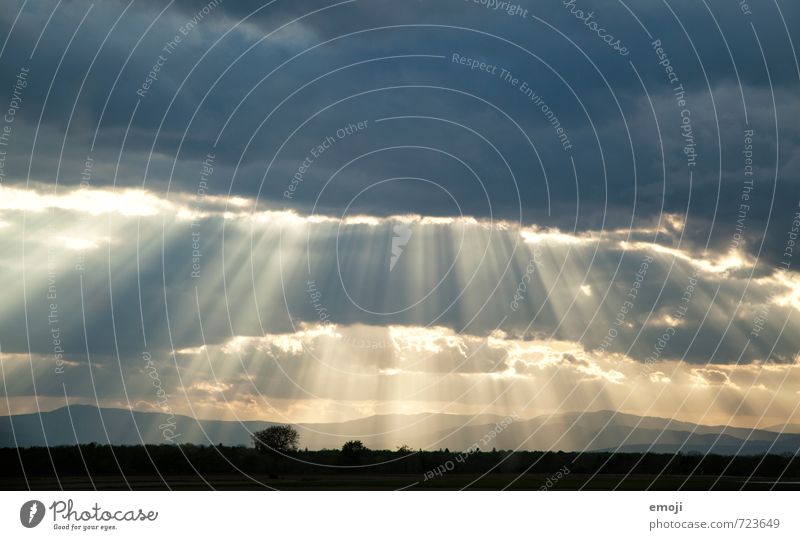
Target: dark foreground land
column 224, row 467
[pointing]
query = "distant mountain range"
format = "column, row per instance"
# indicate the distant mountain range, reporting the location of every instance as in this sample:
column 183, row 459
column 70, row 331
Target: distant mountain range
column 590, row 431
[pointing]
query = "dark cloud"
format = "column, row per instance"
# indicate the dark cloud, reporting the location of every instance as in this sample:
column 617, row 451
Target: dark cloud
column 594, row 94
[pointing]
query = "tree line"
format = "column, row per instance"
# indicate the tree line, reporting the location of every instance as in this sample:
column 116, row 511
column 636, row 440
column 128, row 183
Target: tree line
column 276, row 452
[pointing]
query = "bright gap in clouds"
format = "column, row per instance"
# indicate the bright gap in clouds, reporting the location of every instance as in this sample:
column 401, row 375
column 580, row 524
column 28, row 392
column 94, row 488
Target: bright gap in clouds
column 475, row 316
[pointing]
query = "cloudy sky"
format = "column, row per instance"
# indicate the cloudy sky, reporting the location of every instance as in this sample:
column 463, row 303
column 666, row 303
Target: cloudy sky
column 321, row 210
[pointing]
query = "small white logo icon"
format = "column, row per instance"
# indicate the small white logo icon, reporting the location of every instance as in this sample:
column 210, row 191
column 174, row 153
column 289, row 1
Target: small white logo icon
column 402, row 234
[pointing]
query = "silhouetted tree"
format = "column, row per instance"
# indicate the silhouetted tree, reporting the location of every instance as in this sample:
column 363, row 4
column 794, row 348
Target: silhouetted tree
column 352, row 451
column 353, row 447
column 276, row 439
column 405, row 449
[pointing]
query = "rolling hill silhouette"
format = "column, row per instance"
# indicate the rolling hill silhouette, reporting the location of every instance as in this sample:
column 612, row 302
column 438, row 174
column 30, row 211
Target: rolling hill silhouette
column 590, row 431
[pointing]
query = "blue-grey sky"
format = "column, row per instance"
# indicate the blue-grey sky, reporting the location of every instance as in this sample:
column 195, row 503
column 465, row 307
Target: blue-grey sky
column 320, row 210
